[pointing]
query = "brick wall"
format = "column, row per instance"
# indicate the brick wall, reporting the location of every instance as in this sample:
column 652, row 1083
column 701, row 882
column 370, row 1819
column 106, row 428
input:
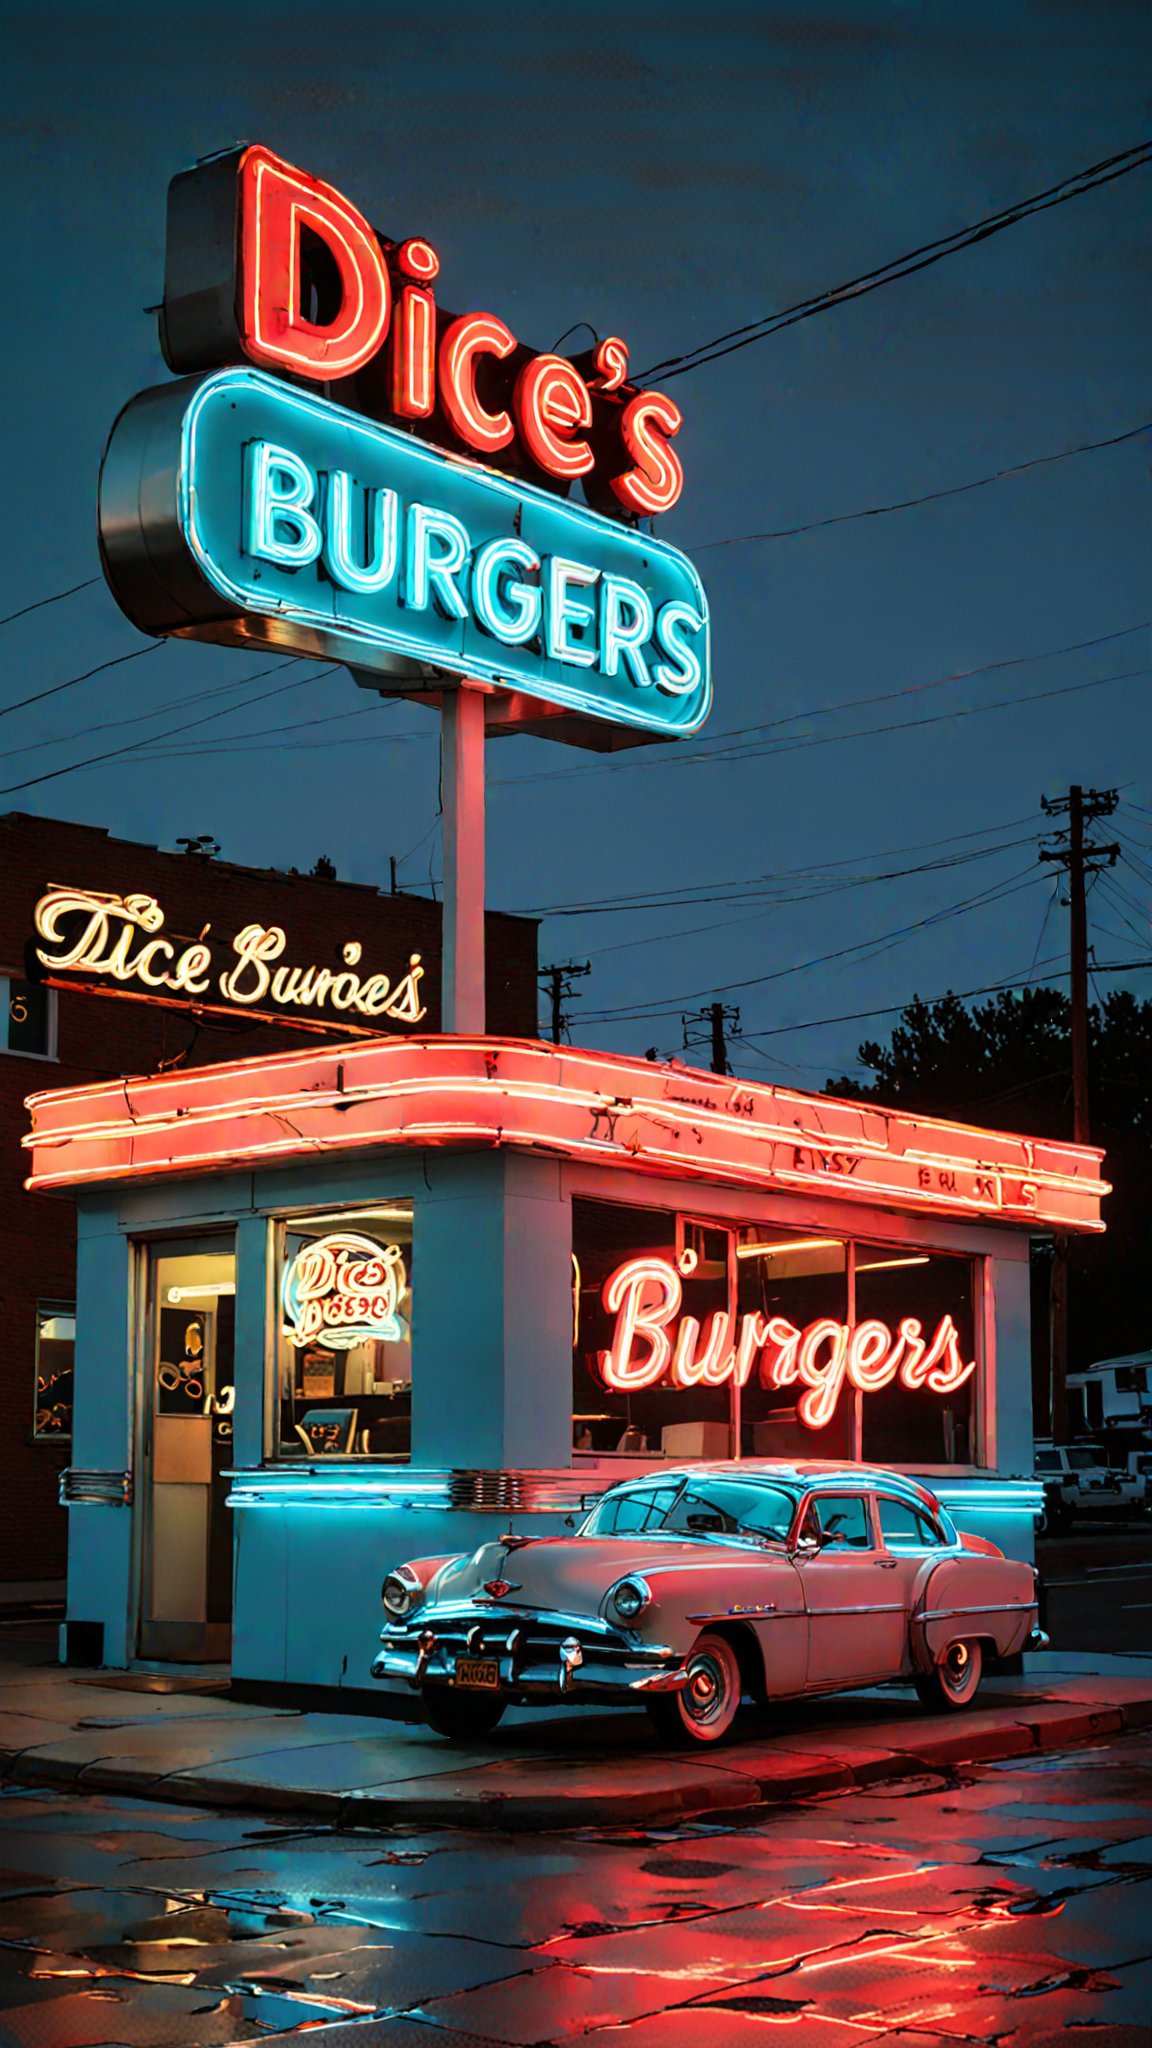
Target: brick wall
column 101, row 1036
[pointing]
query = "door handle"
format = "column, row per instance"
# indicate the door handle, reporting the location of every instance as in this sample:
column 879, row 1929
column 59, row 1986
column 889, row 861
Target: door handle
column 886, row 1564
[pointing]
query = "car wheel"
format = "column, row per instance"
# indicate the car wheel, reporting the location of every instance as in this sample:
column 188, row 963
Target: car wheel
column 461, row 1716
column 956, row 1680
column 706, row 1707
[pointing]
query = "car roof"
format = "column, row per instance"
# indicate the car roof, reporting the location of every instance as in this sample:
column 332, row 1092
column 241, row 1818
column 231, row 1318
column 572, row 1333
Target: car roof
column 799, row 1476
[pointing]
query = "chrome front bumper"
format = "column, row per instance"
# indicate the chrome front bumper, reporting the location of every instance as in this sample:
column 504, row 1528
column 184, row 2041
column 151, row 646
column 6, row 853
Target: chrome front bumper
column 538, row 1656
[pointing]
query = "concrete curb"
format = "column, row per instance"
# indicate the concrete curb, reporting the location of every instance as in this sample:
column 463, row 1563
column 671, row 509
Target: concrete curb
column 562, row 1793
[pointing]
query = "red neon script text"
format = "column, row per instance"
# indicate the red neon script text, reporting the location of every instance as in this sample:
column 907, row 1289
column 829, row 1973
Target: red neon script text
column 320, row 294
column 645, row 1296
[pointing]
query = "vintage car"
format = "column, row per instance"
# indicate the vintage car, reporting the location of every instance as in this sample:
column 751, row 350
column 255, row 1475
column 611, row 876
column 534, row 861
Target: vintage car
column 688, row 1590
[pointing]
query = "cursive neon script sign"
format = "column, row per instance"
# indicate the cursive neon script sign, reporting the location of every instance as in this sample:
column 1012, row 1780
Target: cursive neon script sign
column 342, row 1291
column 121, row 939
column 652, row 1342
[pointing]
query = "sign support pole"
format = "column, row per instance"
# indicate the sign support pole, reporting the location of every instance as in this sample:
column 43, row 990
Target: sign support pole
column 462, row 1008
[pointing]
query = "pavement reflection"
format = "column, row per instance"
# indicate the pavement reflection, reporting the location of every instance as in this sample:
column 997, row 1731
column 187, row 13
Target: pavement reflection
column 1003, row 1903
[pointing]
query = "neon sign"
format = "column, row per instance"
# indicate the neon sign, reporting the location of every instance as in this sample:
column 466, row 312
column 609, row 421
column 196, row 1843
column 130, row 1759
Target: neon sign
column 121, row 939
column 266, row 261
column 241, row 509
column 620, row 1113
column 344, row 1290
column 645, row 1295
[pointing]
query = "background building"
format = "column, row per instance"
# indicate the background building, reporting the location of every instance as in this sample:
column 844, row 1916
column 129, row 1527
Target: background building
column 93, row 1025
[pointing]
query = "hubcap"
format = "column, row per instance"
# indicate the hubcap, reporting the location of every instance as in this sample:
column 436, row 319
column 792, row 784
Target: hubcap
column 956, row 1664
column 704, row 1694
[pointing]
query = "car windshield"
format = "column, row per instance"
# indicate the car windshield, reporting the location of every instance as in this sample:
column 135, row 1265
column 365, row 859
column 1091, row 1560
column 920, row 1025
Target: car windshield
column 700, row 1508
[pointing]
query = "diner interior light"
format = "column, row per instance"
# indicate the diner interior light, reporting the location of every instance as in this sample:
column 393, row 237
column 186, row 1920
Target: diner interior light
column 761, row 1250
column 201, row 1287
column 885, row 1265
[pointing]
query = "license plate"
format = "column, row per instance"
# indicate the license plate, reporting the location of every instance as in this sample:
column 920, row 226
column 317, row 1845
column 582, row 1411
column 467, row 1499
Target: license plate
column 482, row 1674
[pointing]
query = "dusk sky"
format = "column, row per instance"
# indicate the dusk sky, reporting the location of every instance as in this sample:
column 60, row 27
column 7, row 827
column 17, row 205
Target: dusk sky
column 667, row 173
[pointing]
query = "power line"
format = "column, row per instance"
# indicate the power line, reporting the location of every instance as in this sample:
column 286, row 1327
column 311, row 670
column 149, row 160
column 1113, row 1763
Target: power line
column 921, row 258
column 775, row 903
column 752, row 890
column 668, row 1005
column 133, row 746
column 135, row 654
column 961, row 995
column 927, row 498
column 56, row 598
column 784, row 874
column 729, row 756
column 157, row 711
column 959, row 675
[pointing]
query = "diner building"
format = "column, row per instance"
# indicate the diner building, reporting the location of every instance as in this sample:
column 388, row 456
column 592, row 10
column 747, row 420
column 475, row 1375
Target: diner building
column 373, row 1300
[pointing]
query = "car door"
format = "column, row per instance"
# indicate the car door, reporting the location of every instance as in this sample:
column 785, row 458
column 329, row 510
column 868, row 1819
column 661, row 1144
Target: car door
column 852, row 1590
column 910, row 1536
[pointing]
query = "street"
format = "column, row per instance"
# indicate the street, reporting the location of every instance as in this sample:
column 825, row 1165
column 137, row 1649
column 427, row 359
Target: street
column 1001, row 1903
column 987, row 1903
column 1099, row 1584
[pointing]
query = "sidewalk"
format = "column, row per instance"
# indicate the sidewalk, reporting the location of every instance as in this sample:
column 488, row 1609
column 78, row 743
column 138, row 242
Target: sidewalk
column 557, row 1769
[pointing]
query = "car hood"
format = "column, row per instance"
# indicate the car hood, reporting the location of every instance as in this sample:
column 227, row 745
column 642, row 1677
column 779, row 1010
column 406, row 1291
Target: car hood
column 572, row 1574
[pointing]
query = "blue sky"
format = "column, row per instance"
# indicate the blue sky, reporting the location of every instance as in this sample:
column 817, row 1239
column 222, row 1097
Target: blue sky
column 666, row 175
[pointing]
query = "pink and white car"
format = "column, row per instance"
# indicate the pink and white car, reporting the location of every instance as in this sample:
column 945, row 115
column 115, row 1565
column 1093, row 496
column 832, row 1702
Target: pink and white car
column 688, row 1590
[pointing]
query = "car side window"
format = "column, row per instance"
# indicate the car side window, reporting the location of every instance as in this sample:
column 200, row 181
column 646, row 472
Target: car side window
column 844, row 1523
column 1047, row 1461
column 631, row 1512
column 905, row 1527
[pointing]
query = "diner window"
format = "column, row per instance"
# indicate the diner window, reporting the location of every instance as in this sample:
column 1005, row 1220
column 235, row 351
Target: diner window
column 926, row 1413
column 27, row 1018
column 694, row 1339
column 664, row 1419
column 344, row 1334
column 55, row 1353
column 794, row 1280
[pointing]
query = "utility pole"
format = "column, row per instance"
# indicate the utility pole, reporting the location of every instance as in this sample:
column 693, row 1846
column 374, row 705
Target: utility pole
column 1079, row 858
column 716, row 1019
column 557, row 984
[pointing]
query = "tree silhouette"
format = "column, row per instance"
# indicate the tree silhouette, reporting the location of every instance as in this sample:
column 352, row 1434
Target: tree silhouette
column 1007, row 1063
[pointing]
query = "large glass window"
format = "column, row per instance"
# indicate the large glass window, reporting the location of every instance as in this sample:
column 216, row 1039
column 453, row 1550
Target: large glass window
column 55, row 1351
column 704, row 1340
column 926, row 1413
column 652, row 1264
column 795, row 1281
column 344, row 1334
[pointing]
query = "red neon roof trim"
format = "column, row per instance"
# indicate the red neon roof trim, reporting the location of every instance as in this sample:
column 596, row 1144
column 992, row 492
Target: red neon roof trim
column 563, row 1101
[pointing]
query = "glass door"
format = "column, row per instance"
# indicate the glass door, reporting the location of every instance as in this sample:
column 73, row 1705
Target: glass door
column 186, row 1425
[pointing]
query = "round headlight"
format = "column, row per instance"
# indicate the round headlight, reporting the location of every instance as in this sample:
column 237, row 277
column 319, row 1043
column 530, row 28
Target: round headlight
column 398, row 1595
column 630, row 1598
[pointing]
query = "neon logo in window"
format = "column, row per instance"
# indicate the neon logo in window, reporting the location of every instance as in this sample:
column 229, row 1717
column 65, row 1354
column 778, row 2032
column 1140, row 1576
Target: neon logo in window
column 344, row 1290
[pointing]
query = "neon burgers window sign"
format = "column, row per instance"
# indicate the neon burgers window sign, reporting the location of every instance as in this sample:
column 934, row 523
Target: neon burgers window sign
column 653, row 1344
column 344, row 1290
column 269, row 264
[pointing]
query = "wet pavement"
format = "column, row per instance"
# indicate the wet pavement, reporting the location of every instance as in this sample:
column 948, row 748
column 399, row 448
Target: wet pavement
column 1006, row 1903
